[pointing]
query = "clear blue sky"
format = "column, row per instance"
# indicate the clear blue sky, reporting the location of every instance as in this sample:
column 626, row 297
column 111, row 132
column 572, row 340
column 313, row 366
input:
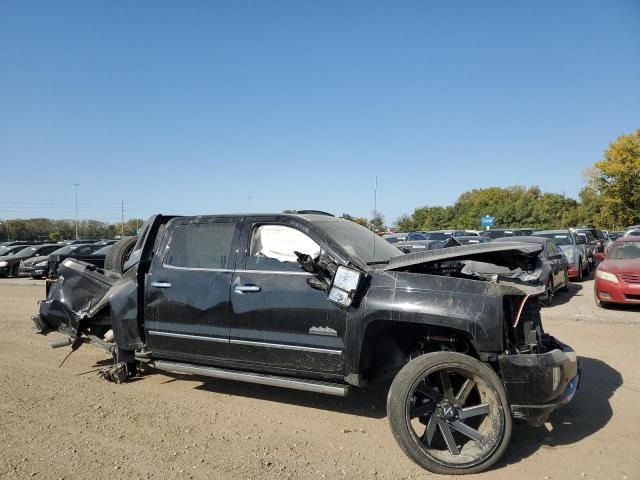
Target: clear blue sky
column 192, row 107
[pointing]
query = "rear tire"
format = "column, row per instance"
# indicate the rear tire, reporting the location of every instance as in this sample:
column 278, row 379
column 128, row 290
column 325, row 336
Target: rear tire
column 460, row 405
column 118, row 254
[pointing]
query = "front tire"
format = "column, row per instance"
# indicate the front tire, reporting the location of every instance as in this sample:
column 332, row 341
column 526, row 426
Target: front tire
column 449, row 413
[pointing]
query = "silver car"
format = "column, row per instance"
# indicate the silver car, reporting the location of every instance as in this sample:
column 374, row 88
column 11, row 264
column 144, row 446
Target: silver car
column 574, row 249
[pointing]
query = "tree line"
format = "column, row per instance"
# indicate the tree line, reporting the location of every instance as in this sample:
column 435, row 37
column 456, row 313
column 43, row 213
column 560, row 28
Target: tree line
column 46, row 229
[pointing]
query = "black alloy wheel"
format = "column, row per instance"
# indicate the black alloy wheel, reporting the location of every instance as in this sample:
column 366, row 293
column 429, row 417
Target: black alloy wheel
column 449, row 413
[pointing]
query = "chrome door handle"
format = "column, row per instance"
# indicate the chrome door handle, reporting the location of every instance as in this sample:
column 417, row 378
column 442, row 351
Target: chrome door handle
column 247, row 288
column 161, row 284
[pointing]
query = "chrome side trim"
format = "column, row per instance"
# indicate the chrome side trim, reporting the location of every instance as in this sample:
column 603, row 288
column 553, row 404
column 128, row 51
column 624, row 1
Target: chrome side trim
column 287, row 347
column 275, row 381
column 174, row 267
column 230, row 270
column 190, row 337
column 273, row 272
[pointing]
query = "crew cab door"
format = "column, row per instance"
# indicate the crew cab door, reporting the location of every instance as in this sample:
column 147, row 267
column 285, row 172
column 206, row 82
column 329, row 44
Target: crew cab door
column 278, row 319
column 187, row 289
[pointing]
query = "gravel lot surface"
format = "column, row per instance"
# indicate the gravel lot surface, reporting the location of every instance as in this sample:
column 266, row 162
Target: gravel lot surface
column 67, row 423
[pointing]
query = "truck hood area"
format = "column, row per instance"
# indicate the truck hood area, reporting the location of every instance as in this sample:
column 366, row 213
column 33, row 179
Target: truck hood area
column 515, row 264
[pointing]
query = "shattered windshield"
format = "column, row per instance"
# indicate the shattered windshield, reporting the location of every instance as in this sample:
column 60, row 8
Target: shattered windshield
column 359, row 241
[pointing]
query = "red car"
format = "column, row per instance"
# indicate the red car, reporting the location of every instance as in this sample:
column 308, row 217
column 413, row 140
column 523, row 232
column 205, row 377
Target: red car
column 618, row 276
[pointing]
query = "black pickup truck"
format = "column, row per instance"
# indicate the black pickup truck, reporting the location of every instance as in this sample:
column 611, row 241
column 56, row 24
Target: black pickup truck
column 319, row 303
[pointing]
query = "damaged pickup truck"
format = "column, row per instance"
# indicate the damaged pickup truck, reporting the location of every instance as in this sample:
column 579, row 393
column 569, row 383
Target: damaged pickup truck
column 318, row 303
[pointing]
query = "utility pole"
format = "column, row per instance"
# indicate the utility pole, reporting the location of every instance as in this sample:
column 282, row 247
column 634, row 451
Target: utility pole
column 122, row 225
column 76, row 185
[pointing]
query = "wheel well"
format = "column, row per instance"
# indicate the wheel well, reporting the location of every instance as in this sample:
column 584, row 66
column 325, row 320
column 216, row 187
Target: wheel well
column 389, row 345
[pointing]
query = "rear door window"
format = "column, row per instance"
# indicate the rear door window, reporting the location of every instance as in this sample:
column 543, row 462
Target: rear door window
column 201, row 245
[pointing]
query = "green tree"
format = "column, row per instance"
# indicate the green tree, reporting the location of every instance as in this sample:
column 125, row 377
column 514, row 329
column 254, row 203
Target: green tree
column 616, row 181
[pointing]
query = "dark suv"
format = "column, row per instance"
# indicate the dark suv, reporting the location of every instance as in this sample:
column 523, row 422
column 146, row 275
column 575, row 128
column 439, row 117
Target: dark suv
column 318, row 303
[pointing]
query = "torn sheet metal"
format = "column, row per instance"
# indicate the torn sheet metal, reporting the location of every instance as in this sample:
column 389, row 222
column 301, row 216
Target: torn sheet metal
column 76, row 295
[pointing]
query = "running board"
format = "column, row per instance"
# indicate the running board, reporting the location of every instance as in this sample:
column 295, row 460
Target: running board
column 262, row 379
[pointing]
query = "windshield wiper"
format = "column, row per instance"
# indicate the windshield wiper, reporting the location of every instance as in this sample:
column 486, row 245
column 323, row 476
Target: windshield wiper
column 379, row 262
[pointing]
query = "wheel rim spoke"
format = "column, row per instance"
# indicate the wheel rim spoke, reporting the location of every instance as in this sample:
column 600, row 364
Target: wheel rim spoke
column 467, row 430
column 446, row 386
column 422, row 410
column 427, row 391
column 448, row 437
column 465, row 390
column 430, row 430
column 474, row 411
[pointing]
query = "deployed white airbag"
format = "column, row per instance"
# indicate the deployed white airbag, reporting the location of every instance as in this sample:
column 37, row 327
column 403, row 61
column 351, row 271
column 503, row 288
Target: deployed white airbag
column 280, row 242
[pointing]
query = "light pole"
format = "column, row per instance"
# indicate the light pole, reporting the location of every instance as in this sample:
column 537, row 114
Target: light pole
column 76, row 185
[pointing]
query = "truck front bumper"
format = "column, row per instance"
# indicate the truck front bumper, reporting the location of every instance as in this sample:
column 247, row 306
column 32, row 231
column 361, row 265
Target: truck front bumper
column 538, row 384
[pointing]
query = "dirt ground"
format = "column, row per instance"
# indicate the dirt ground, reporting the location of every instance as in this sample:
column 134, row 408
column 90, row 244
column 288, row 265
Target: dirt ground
column 67, row 423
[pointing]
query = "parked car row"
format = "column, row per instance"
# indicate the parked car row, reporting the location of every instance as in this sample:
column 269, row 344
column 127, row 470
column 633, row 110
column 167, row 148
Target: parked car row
column 40, row 259
column 567, row 255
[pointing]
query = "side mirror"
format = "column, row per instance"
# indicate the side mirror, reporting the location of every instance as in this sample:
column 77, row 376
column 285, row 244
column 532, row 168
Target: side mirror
column 307, row 263
column 344, row 286
column 556, row 256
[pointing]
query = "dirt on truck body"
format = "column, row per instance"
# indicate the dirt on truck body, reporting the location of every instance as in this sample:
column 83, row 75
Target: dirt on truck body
column 318, row 303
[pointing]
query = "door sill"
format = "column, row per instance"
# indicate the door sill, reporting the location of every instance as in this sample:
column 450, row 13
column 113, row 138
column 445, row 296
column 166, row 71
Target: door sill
column 252, row 377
